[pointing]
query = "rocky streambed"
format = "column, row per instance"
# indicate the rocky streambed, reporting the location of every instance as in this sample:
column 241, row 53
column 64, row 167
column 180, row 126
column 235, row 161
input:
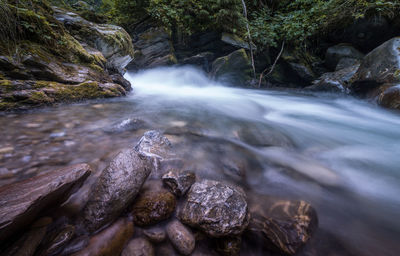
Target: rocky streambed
column 144, row 203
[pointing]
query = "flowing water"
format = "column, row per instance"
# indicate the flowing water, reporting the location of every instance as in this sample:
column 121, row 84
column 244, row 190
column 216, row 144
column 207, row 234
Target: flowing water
column 339, row 153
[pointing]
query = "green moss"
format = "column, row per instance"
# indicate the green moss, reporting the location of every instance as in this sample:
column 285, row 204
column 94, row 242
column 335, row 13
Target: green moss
column 6, row 85
column 38, row 98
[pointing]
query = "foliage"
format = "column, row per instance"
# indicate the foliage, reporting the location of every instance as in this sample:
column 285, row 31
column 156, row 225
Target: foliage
column 302, row 20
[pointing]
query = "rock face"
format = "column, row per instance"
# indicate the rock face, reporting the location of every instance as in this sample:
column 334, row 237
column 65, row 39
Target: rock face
column 58, row 67
column 21, row 202
column 153, row 47
column 115, row 189
column 109, row 242
column 178, row 181
column 234, row 68
column 216, row 208
column 138, row 247
column 380, row 66
column 335, row 53
column 181, row 237
column 112, row 41
column 281, row 225
column 153, row 206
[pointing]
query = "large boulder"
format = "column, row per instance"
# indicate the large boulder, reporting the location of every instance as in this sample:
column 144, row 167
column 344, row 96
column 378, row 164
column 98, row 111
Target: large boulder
column 115, row 189
column 153, row 48
column 336, row 53
column 21, row 202
column 281, row 225
column 112, row 41
column 216, row 208
column 378, row 67
column 234, row 69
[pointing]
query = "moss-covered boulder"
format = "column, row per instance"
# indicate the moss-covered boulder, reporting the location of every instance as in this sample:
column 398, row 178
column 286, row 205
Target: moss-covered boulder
column 234, row 69
column 112, row 41
column 41, row 63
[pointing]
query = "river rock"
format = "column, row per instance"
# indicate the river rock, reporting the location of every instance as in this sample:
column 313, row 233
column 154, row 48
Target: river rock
column 179, row 181
column 21, row 202
column 181, row 237
column 218, row 209
column 159, row 151
column 115, row 189
column 152, row 206
column 229, row 246
column 109, row 242
column 335, row 53
column 27, row 244
column 337, row 82
column 138, row 247
column 390, row 98
column 56, row 240
column 234, row 68
column 112, row 41
column 155, row 234
column 378, row 67
column 281, row 225
column 202, row 60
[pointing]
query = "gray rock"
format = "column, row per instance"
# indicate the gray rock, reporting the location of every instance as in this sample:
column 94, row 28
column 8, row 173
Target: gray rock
column 179, row 181
column 379, row 67
column 302, row 71
column 390, row 98
column 236, row 41
column 116, row 188
column 181, row 237
column 202, row 60
column 234, row 68
column 155, row 234
column 335, row 53
column 346, row 63
column 138, row 247
column 218, row 209
column 21, row 202
column 281, row 225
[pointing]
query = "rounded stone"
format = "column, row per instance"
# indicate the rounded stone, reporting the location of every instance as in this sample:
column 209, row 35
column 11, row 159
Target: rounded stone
column 216, row 208
column 138, row 247
column 181, row 237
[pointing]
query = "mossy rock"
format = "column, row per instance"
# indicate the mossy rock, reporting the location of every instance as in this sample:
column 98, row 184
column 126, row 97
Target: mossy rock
column 234, row 69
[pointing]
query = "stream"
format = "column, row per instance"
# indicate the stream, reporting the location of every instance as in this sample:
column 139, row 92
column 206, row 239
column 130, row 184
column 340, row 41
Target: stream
column 339, row 153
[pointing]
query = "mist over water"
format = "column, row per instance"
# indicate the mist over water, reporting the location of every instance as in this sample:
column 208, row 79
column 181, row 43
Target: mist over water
column 339, row 153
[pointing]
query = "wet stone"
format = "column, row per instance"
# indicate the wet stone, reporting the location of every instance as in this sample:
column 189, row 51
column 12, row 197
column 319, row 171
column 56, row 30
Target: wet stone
column 138, row 247
column 229, row 246
column 181, row 237
column 281, row 225
column 178, row 181
column 17, row 209
column 109, row 242
column 155, row 234
column 152, row 206
column 56, row 240
column 115, row 189
column 216, row 208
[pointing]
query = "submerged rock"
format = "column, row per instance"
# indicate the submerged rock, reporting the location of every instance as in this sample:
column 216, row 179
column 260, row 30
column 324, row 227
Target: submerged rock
column 21, row 202
column 115, row 189
column 109, row 242
column 27, row 244
column 181, row 237
column 281, row 225
column 218, row 209
column 155, row 234
column 390, row 98
column 56, row 240
column 138, row 247
column 229, row 246
column 152, row 206
column 178, row 181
